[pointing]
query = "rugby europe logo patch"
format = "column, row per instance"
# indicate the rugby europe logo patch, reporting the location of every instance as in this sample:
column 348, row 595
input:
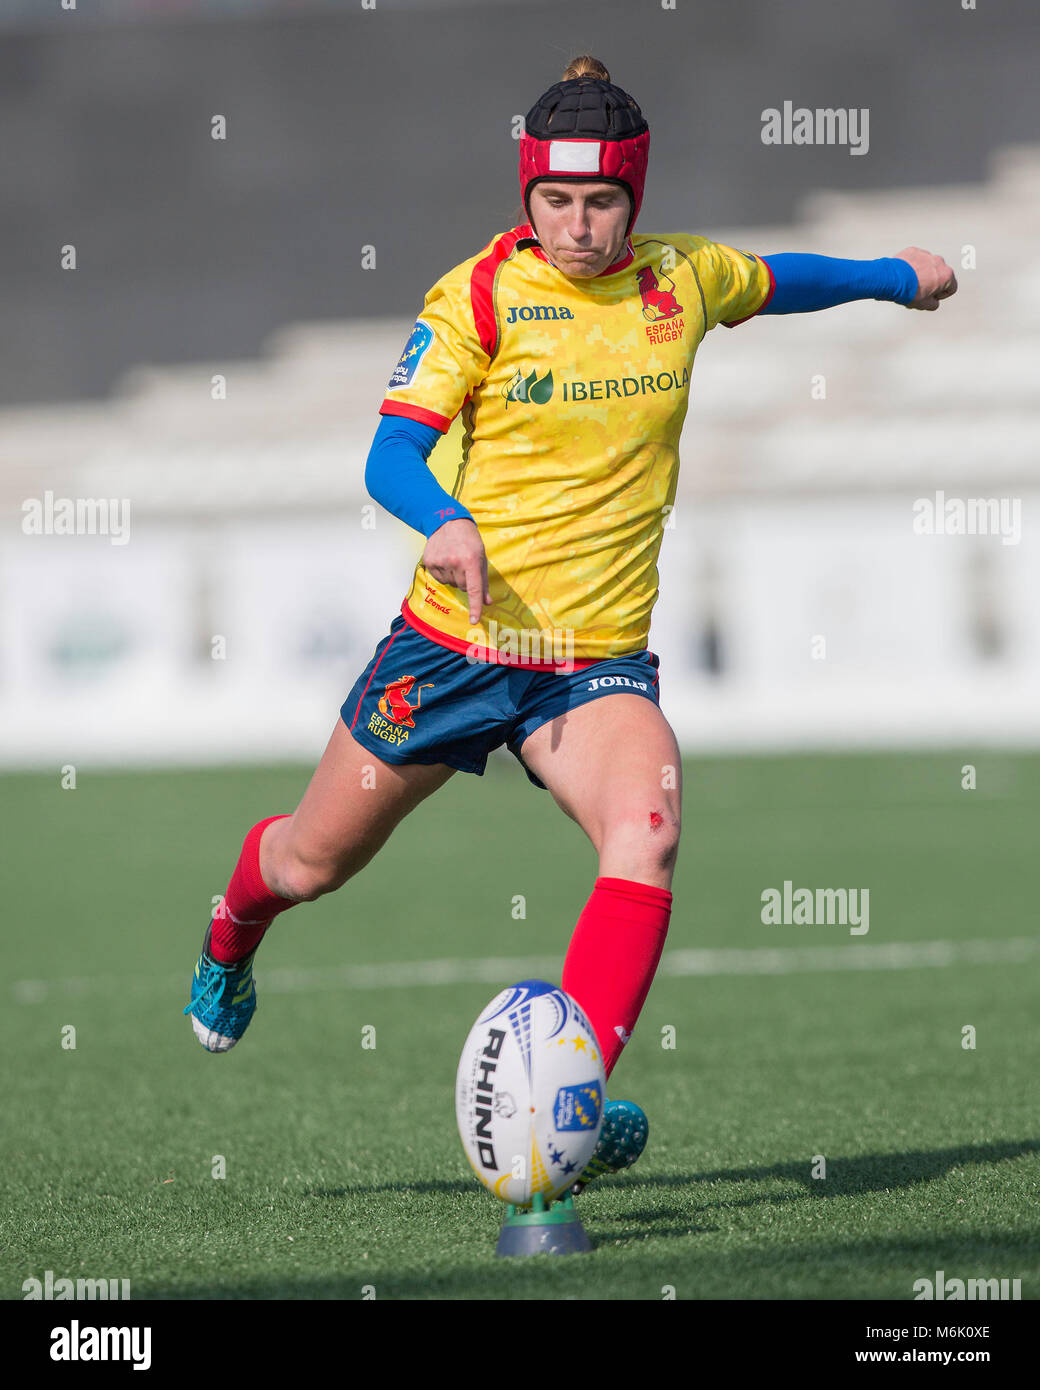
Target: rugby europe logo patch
column 414, row 351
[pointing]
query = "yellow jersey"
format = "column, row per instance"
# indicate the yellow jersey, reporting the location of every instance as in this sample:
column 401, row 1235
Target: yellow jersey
column 573, row 394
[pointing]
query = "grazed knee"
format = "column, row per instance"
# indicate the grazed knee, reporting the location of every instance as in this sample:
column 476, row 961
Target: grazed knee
column 649, row 836
column 664, row 831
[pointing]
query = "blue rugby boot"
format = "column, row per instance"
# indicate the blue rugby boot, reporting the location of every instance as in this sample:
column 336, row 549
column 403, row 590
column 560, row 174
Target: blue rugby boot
column 223, row 999
column 621, row 1140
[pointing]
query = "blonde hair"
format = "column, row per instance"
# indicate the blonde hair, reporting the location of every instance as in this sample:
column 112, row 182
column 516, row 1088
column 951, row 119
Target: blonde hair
column 585, row 67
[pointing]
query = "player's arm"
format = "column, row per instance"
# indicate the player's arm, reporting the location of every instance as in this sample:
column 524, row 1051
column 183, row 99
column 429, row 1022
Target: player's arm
column 398, row 477
column 805, row 283
column 443, row 362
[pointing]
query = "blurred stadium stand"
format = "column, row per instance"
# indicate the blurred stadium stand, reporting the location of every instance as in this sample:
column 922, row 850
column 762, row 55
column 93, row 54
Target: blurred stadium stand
column 190, row 248
column 20, row 13
column 794, row 521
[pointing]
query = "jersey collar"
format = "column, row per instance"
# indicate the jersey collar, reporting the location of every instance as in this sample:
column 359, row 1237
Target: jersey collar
column 527, row 235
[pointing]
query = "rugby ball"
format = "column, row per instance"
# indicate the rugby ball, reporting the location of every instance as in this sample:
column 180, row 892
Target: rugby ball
column 529, row 1093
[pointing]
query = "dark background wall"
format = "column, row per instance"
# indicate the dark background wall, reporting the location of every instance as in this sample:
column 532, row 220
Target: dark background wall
column 392, row 127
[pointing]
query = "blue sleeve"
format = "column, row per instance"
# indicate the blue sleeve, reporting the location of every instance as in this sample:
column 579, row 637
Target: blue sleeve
column 805, row 283
column 398, row 477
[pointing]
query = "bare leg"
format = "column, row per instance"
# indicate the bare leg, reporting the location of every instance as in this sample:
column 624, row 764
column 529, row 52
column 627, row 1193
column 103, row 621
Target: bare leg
column 353, row 803
column 614, row 766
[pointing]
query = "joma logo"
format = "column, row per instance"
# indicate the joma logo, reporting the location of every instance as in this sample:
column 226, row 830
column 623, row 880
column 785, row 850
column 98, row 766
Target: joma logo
column 527, row 312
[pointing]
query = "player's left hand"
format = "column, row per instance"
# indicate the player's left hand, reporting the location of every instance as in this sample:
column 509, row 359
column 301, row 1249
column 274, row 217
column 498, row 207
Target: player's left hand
column 935, row 279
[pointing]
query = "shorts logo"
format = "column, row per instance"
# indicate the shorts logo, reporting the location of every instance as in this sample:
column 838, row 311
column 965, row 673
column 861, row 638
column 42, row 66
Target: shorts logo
column 608, row 682
column 659, row 305
column 393, row 703
column 528, row 388
column 414, row 351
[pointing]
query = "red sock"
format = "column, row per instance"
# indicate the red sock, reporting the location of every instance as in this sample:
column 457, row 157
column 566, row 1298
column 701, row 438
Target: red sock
column 613, row 955
column 249, row 906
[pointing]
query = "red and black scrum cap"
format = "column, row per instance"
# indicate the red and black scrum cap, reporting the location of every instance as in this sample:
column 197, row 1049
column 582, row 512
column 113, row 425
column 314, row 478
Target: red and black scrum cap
column 581, row 130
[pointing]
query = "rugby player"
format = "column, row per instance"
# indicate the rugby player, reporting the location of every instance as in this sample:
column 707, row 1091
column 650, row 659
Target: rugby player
column 567, row 343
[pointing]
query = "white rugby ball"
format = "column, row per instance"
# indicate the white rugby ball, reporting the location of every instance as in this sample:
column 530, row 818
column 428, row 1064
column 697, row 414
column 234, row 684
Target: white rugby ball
column 529, row 1093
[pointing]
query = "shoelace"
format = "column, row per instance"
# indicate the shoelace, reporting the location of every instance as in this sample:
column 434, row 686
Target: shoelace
column 218, row 979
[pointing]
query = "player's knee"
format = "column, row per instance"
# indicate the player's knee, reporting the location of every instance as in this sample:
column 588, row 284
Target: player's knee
column 650, row 838
column 663, row 834
column 307, row 877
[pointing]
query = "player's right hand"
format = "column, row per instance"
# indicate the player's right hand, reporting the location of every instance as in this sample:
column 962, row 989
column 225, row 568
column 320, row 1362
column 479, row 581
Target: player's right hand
column 455, row 555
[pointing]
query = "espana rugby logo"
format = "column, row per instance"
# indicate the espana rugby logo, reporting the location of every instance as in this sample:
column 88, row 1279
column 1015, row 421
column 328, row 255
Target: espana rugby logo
column 529, row 388
column 658, row 296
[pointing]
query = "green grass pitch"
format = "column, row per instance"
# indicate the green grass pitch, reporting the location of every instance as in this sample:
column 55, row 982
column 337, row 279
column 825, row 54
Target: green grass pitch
column 344, row 1171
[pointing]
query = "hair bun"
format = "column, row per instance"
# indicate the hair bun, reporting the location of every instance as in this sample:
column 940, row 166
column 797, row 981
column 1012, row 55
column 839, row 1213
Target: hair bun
column 585, row 67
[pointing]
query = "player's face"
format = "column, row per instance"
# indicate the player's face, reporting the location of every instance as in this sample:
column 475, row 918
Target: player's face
column 581, row 225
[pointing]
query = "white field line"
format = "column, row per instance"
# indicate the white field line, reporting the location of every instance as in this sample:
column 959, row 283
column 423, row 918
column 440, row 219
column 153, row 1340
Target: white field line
column 781, row 960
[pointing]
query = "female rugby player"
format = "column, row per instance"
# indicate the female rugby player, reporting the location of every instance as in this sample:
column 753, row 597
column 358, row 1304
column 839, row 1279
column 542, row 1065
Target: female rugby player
column 567, row 343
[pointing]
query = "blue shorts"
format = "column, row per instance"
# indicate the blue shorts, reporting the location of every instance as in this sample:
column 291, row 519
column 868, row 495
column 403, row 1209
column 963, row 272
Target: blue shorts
column 419, row 702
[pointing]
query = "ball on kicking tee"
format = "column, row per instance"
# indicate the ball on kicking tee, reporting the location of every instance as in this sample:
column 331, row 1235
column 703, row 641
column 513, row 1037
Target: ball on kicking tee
column 529, row 1093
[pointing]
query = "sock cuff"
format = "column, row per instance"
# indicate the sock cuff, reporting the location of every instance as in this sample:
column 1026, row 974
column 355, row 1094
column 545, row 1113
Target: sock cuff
column 636, row 892
column 250, row 863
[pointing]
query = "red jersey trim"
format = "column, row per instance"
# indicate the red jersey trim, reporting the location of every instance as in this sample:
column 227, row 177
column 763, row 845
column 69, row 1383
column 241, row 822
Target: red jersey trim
column 481, row 287
column 416, row 412
column 772, row 290
column 456, row 644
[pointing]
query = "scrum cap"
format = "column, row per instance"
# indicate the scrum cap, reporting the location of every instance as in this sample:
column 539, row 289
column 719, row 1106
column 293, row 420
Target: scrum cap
column 581, row 130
